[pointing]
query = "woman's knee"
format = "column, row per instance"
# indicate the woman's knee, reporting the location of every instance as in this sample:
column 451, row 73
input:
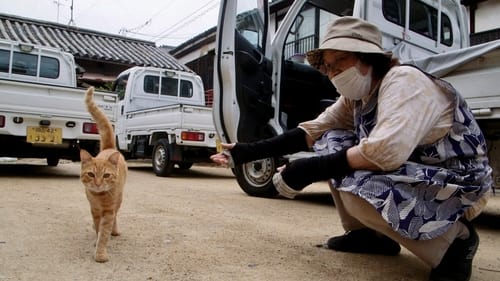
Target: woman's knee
column 363, row 211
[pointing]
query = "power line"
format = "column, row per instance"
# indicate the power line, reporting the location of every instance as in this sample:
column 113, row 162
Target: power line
column 124, row 30
column 186, row 20
column 134, row 30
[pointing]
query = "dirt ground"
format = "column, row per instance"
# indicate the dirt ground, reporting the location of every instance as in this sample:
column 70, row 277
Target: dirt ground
column 197, row 225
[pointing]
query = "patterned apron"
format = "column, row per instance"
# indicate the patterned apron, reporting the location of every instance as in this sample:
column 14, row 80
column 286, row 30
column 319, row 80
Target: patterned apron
column 430, row 191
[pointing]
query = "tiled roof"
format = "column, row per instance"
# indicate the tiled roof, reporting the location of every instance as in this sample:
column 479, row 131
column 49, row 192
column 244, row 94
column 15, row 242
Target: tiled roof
column 87, row 44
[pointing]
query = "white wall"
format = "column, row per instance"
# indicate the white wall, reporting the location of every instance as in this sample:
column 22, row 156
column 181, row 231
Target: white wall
column 487, row 15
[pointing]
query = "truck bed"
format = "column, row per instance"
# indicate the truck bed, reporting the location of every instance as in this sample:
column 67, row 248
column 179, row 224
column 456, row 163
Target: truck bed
column 474, row 72
column 172, row 119
column 33, row 102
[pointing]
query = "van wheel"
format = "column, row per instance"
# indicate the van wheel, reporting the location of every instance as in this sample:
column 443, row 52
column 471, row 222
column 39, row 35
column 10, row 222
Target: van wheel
column 162, row 165
column 255, row 178
column 52, row 161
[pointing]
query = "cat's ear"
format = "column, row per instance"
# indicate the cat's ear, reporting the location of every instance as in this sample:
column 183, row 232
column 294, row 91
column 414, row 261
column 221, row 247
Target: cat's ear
column 114, row 158
column 85, row 156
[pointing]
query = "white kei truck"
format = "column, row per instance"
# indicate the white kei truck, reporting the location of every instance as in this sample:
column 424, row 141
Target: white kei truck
column 157, row 113
column 42, row 113
column 262, row 88
column 163, row 116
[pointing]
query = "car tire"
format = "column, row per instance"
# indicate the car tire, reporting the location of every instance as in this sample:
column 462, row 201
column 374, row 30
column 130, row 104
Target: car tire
column 255, row 178
column 162, row 164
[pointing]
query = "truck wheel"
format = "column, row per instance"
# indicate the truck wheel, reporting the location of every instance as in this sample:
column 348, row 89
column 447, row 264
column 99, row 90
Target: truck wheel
column 255, row 178
column 185, row 165
column 52, row 161
column 162, row 165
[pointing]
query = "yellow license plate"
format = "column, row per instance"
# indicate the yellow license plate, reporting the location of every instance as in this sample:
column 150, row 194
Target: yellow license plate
column 217, row 145
column 44, row 135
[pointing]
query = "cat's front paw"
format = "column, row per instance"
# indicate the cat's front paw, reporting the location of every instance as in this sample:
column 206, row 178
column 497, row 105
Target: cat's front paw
column 115, row 233
column 101, row 256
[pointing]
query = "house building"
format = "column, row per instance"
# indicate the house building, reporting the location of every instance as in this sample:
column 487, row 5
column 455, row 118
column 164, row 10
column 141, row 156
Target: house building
column 103, row 56
column 198, row 53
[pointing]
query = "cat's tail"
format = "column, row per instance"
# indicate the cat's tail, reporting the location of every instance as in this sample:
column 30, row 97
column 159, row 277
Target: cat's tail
column 104, row 126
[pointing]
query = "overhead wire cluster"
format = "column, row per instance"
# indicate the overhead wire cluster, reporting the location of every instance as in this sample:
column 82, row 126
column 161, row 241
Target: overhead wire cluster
column 181, row 24
column 210, row 5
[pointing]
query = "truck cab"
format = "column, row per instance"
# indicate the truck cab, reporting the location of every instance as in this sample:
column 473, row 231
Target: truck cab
column 29, row 63
column 262, row 84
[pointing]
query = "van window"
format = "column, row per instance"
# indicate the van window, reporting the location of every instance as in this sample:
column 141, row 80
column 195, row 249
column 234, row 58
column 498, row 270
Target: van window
column 49, row 67
column 27, row 64
column 423, row 19
column 315, row 16
column 151, row 84
column 250, row 22
column 168, row 85
column 4, row 60
column 186, row 89
column 120, row 86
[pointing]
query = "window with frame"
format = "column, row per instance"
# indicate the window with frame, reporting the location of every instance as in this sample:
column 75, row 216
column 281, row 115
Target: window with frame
column 423, row 19
column 49, row 67
column 168, row 85
column 315, row 16
column 4, row 60
column 151, row 84
column 250, row 22
column 120, row 86
column 186, row 89
column 27, row 64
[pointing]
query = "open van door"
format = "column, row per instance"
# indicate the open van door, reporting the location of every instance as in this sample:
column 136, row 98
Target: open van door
column 264, row 87
column 243, row 93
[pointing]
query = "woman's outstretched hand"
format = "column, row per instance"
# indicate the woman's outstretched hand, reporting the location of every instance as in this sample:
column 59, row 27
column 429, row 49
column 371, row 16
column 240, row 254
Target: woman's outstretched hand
column 224, row 157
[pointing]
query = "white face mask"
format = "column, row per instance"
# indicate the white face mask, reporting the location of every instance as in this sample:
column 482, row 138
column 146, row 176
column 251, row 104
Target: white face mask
column 352, row 84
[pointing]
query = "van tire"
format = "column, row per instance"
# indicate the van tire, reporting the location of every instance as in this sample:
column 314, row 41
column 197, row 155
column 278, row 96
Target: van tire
column 162, row 164
column 255, row 178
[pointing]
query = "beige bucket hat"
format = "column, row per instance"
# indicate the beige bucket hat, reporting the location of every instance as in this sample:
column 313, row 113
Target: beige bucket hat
column 348, row 34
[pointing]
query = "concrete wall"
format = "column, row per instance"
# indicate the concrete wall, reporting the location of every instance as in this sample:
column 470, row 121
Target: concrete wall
column 487, row 15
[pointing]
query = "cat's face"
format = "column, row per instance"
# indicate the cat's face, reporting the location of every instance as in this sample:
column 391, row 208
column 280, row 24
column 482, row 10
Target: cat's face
column 97, row 175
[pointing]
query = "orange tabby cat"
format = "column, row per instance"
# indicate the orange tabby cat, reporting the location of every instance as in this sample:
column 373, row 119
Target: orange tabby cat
column 103, row 177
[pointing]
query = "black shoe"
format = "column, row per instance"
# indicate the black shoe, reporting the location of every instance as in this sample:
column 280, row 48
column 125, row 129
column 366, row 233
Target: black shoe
column 456, row 264
column 365, row 241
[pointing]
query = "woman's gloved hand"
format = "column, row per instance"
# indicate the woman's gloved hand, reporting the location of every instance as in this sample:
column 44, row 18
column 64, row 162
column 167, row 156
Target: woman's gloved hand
column 289, row 142
column 300, row 173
